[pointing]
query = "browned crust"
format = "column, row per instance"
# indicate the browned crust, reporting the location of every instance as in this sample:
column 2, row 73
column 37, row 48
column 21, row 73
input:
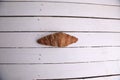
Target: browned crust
column 59, row 39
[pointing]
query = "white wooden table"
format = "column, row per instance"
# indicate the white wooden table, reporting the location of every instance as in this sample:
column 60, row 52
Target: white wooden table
column 96, row 23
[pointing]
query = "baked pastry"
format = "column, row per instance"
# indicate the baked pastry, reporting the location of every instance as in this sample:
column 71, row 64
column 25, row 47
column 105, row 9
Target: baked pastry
column 59, row 39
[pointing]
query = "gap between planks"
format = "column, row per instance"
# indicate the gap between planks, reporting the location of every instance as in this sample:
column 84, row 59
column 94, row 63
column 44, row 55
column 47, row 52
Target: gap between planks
column 61, row 63
column 88, row 3
column 58, row 47
column 59, row 31
column 90, row 77
column 58, row 16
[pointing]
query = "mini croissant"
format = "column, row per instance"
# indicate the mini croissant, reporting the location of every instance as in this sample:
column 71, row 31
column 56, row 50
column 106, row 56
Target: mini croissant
column 59, row 39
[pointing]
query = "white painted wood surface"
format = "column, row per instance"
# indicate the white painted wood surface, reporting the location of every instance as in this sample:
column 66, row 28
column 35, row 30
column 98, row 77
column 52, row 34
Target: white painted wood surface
column 57, row 9
column 95, row 22
column 59, row 55
column 28, row 72
column 105, row 2
column 58, row 24
column 85, row 39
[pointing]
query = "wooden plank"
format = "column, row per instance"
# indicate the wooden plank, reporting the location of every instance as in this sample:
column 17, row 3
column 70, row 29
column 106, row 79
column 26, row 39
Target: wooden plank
column 57, row 9
column 105, row 2
column 112, row 67
column 30, row 72
column 59, row 56
column 85, row 39
column 57, row 24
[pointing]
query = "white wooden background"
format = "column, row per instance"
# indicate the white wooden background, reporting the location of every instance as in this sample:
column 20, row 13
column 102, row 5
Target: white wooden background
column 96, row 56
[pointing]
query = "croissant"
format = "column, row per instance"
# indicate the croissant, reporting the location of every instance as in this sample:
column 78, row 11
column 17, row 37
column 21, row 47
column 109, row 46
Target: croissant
column 59, row 39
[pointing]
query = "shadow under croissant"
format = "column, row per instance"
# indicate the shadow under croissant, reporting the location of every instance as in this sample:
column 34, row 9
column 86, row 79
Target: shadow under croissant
column 59, row 39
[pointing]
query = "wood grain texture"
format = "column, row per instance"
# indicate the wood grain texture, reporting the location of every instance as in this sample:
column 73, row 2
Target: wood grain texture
column 59, row 55
column 30, row 72
column 57, row 9
column 58, row 24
